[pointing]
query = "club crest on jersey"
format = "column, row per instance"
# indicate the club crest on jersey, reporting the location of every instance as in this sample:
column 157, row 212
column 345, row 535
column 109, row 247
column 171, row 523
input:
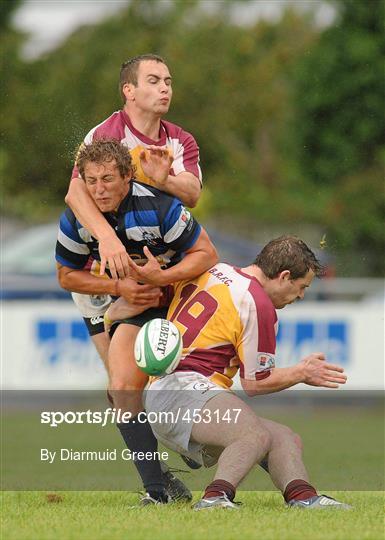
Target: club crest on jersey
column 150, row 238
column 186, row 219
column 98, row 300
column 185, row 215
column 266, row 360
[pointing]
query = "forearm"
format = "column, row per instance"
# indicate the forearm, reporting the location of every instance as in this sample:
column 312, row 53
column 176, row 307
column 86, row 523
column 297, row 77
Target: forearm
column 121, row 309
column 185, row 186
column 81, row 281
column 86, row 211
column 279, row 379
column 191, row 266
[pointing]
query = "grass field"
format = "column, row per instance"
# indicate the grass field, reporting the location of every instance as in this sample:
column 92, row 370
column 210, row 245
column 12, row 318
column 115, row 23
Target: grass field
column 107, row 515
column 344, row 450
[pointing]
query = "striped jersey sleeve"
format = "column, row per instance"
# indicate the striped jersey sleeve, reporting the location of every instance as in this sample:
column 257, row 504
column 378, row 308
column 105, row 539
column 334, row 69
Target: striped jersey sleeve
column 185, row 151
column 256, row 342
column 71, row 250
column 179, row 228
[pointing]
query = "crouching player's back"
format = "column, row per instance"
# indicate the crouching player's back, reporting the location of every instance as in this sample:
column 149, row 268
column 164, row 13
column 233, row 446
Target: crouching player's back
column 225, row 316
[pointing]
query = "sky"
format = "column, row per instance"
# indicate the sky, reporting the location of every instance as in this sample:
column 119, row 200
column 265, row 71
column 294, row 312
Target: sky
column 49, row 22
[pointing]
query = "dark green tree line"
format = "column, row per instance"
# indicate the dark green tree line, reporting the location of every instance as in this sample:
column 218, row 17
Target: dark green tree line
column 339, row 122
column 286, row 115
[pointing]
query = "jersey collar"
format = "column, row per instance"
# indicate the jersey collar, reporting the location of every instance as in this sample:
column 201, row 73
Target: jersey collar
column 248, row 276
column 146, row 140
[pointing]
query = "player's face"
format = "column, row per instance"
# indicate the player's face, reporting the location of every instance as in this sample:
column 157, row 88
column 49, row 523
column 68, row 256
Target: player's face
column 153, row 92
column 105, row 184
column 286, row 291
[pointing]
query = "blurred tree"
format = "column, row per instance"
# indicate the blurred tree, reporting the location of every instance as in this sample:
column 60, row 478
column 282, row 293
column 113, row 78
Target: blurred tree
column 11, row 68
column 340, row 128
column 7, row 8
column 231, row 90
column 287, row 116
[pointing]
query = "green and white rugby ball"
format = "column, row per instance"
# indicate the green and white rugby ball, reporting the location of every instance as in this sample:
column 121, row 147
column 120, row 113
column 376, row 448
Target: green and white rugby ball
column 158, row 347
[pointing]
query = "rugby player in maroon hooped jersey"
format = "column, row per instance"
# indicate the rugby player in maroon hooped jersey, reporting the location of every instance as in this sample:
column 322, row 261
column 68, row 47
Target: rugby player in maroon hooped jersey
column 228, row 321
column 146, row 90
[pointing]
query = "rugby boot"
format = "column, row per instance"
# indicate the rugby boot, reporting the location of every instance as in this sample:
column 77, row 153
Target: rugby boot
column 176, row 489
column 319, row 502
column 152, row 500
column 221, row 501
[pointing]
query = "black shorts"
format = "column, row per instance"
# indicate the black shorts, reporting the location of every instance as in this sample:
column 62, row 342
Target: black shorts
column 95, row 325
column 140, row 320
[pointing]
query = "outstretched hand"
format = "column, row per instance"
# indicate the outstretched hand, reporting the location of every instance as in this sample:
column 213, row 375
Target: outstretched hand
column 318, row 372
column 156, row 162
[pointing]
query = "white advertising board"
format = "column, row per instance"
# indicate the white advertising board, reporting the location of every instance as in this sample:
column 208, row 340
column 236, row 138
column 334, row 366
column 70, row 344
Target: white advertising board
column 45, row 345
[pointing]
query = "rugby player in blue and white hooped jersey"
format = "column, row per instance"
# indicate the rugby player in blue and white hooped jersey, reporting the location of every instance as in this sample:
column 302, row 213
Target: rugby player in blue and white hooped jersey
column 145, row 86
column 154, row 228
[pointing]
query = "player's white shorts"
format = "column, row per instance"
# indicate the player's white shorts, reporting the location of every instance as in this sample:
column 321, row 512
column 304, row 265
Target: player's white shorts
column 92, row 305
column 92, row 308
column 182, row 394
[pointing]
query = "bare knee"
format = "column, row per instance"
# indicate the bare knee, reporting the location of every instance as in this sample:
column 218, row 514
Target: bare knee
column 125, row 397
column 118, row 384
column 287, row 434
column 297, row 440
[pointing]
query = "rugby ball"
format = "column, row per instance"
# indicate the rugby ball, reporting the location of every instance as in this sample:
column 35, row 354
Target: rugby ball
column 158, row 347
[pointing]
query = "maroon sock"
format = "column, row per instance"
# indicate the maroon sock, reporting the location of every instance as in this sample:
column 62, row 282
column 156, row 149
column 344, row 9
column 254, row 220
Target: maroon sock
column 218, row 487
column 298, row 490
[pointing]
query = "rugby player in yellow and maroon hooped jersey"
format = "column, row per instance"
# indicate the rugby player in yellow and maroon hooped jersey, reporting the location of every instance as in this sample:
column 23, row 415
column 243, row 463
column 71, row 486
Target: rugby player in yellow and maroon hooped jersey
column 228, row 321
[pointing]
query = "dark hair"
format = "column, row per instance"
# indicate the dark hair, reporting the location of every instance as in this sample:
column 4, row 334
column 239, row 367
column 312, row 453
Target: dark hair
column 288, row 253
column 129, row 70
column 105, row 150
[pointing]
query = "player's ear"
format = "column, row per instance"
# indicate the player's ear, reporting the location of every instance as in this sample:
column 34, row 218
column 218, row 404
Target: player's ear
column 128, row 90
column 128, row 177
column 284, row 275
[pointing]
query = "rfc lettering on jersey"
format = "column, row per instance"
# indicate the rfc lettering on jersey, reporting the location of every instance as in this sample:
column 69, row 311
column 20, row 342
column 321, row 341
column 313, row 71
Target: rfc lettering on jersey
column 220, row 276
